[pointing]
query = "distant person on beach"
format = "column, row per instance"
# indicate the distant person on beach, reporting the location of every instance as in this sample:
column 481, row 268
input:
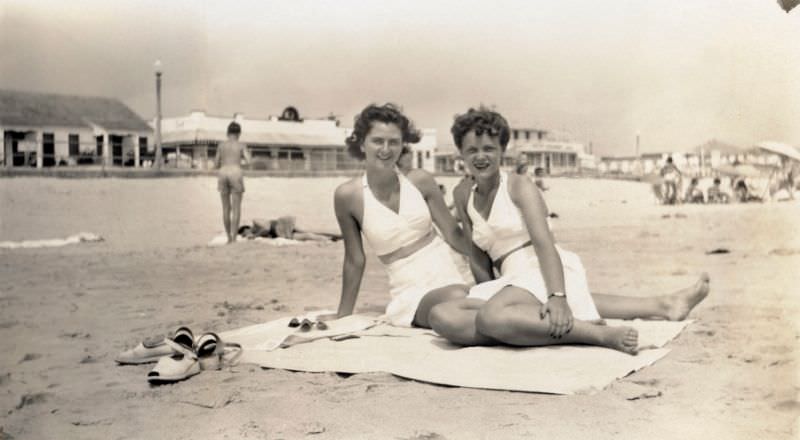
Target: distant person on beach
column 671, row 176
column 715, row 193
column 522, row 165
column 283, row 227
column 538, row 174
column 230, row 180
column 693, row 193
column 396, row 214
column 743, row 191
column 541, row 296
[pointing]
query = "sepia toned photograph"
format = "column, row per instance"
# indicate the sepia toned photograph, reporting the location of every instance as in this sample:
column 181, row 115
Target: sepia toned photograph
column 408, row 220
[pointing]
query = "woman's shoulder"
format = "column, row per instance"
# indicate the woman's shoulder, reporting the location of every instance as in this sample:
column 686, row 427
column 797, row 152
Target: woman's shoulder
column 423, row 180
column 519, row 186
column 462, row 190
column 349, row 190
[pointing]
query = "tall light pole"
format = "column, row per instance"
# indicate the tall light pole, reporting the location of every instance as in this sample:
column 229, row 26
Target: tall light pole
column 157, row 68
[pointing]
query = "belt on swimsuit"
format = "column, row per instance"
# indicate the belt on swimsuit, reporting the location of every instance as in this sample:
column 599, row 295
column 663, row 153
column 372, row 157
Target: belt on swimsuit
column 408, row 249
column 498, row 263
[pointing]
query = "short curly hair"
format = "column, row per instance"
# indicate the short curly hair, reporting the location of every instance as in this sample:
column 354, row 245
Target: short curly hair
column 481, row 120
column 389, row 114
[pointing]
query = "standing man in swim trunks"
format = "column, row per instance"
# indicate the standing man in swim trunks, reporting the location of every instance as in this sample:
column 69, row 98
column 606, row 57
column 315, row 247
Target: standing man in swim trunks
column 230, row 181
column 671, row 176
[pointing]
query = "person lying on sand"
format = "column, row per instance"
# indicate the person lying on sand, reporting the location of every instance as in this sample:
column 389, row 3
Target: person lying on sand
column 541, row 296
column 283, row 227
column 395, row 213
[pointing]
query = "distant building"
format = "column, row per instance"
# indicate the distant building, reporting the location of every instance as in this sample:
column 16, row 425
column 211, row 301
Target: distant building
column 539, row 148
column 45, row 130
column 286, row 142
column 699, row 161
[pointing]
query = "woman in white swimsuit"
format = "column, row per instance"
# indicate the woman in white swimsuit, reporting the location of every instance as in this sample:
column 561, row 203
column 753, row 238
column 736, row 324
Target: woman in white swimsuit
column 541, row 296
column 394, row 212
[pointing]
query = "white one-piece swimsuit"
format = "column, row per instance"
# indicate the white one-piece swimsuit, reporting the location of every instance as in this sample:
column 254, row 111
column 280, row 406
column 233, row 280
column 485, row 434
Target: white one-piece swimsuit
column 505, row 231
column 412, row 277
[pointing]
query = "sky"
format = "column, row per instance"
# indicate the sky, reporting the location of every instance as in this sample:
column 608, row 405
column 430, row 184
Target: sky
column 677, row 73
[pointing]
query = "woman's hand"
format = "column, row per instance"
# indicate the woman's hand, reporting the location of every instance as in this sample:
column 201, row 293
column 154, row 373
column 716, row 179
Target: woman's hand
column 560, row 316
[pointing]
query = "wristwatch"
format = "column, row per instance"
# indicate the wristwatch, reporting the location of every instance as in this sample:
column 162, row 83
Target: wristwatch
column 557, row 294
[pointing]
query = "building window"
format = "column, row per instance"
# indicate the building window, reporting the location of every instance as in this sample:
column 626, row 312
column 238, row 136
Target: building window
column 48, row 149
column 527, row 135
column 99, row 145
column 74, row 145
column 427, row 155
column 142, row 146
column 515, row 134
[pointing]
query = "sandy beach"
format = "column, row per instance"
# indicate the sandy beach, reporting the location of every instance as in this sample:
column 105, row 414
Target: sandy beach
column 66, row 312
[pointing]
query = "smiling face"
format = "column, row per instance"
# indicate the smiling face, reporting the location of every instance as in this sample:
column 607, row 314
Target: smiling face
column 482, row 154
column 383, row 144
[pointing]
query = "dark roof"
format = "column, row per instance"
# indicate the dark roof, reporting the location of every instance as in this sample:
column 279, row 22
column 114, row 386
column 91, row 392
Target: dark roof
column 44, row 109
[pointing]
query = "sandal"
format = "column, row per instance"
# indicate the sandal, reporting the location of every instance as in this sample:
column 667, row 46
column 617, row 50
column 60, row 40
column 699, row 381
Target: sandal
column 152, row 349
column 307, row 324
column 213, row 353
column 183, row 364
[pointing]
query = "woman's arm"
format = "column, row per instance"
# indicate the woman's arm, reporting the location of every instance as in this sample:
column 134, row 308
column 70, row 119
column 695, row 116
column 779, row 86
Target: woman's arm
column 534, row 213
column 479, row 262
column 246, row 155
column 354, row 261
column 451, row 232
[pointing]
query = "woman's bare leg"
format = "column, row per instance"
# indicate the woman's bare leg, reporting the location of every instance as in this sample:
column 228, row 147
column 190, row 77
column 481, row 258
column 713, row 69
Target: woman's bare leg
column 226, row 213
column 434, row 297
column 674, row 307
column 236, row 207
column 455, row 321
column 512, row 317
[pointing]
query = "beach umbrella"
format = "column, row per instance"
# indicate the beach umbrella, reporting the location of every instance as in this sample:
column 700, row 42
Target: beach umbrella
column 780, row 148
column 744, row 170
column 788, row 5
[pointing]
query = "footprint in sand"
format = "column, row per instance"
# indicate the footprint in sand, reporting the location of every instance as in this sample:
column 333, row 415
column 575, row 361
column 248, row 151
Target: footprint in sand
column 30, row 357
column 784, row 252
column 33, row 399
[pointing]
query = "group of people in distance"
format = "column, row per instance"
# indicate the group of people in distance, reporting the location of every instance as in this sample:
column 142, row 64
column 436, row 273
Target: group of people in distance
column 523, row 290
column 526, row 291
column 667, row 189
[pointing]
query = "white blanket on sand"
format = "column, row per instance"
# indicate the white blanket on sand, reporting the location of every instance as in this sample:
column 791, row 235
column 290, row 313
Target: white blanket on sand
column 422, row 355
column 222, row 240
column 81, row 237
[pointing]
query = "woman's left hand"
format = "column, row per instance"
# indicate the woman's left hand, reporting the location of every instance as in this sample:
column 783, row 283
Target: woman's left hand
column 560, row 316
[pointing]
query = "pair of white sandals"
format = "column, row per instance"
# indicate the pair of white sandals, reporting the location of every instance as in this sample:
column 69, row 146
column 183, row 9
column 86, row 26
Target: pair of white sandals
column 181, row 356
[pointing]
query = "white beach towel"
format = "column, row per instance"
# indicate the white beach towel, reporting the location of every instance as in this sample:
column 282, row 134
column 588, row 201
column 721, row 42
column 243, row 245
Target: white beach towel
column 222, row 240
column 81, row 237
column 422, row 355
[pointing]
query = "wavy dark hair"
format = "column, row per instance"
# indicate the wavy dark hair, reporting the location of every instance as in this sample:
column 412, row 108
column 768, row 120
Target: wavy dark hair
column 388, row 114
column 481, row 120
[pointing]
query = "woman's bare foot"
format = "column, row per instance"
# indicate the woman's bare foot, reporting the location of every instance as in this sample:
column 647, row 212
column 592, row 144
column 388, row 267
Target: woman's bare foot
column 679, row 304
column 624, row 339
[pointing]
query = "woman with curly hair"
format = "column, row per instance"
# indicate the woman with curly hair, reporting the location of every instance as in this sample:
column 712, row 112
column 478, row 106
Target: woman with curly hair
column 541, row 296
column 395, row 213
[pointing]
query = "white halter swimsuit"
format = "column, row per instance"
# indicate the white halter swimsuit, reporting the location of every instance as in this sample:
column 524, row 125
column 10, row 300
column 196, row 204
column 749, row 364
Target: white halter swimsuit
column 502, row 232
column 412, row 277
